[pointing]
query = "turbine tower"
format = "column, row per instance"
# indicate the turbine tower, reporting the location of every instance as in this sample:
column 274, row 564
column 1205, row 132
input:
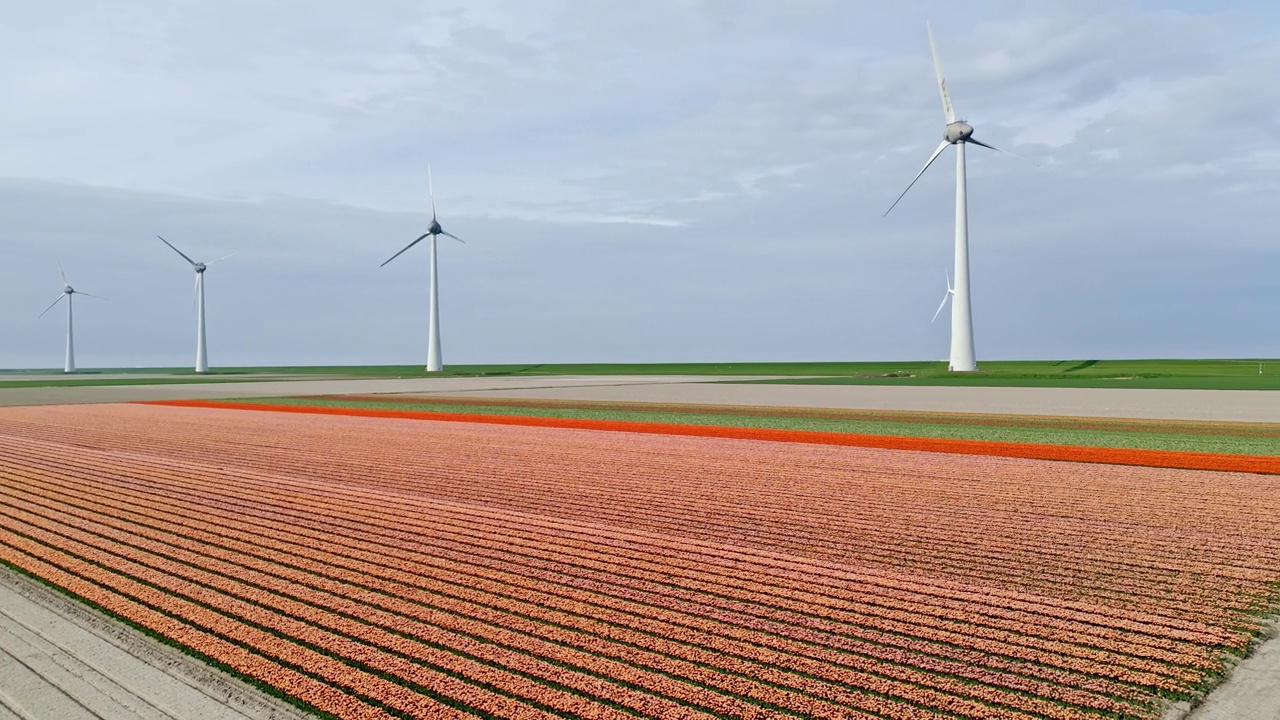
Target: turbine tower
column 960, row 134
column 202, row 355
column 67, row 291
column 434, row 362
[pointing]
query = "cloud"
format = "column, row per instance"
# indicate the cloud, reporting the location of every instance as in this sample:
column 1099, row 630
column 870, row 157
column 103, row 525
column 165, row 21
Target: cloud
column 678, row 180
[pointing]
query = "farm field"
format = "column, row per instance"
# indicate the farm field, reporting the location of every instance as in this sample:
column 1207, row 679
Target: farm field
column 1215, row 374
column 394, row 567
column 1212, row 437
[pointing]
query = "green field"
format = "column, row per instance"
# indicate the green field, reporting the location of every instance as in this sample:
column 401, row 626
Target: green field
column 90, row 381
column 1230, row 438
column 1173, row 374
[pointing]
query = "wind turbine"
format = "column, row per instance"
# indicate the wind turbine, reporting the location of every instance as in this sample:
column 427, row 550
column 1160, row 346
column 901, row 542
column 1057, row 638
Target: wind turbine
column 202, row 356
column 67, row 291
column 950, row 291
column 960, row 134
column 434, row 363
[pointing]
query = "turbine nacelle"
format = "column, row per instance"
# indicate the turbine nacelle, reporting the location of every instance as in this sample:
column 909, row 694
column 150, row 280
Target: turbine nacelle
column 200, row 267
column 67, row 292
column 435, row 228
column 959, row 131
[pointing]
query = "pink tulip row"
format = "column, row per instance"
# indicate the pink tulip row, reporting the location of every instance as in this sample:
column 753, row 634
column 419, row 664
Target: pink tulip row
column 1204, row 635
column 1039, row 571
column 376, row 553
column 313, row 626
column 220, row 638
column 809, row 706
column 472, row 483
column 1050, row 709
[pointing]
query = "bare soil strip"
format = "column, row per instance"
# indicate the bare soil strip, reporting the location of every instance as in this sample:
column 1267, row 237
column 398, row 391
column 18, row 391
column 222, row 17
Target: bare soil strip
column 1201, row 405
column 1271, row 430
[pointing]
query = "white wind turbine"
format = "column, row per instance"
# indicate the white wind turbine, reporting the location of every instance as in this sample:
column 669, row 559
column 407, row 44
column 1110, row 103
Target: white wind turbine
column 958, row 133
column 202, row 355
column 950, row 291
column 434, row 362
column 67, row 291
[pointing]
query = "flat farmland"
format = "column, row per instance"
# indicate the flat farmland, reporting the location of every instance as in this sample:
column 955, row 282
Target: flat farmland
column 403, row 567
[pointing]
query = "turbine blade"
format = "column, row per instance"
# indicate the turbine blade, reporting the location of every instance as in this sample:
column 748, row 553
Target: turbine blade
column 64, row 272
column 945, row 297
column 224, row 257
column 947, row 109
column 932, row 157
column 406, row 247
column 195, row 292
column 184, row 255
column 455, row 237
column 55, row 302
column 948, row 274
column 975, row 141
column 77, row 292
column 1002, row 150
column 431, row 189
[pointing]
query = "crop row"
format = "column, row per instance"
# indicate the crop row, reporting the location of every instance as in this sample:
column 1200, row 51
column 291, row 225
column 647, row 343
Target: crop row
column 503, row 550
column 716, row 651
column 1019, row 563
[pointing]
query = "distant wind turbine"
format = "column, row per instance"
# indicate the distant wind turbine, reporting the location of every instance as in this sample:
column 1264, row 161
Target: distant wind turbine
column 434, row 362
column 950, row 291
column 202, row 356
column 67, row 291
column 958, row 133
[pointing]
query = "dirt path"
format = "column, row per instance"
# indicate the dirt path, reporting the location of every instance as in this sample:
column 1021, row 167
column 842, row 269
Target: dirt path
column 1252, row 690
column 60, row 659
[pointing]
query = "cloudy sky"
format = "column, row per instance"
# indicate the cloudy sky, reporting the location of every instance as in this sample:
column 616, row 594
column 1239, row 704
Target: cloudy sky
column 663, row 181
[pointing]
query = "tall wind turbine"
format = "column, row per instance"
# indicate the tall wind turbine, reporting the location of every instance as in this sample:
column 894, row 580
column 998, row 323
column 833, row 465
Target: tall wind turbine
column 67, row 291
column 434, row 363
column 958, row 133
column 202, row 355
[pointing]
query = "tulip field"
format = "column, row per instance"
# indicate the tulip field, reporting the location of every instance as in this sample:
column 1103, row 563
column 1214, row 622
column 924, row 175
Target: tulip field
column 395, row 567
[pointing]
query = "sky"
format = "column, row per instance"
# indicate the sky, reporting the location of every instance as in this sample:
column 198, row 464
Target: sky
column 675, row 180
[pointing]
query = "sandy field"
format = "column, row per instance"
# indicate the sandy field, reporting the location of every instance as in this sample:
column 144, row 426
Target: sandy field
column 60, row 659
column 1220, row 405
